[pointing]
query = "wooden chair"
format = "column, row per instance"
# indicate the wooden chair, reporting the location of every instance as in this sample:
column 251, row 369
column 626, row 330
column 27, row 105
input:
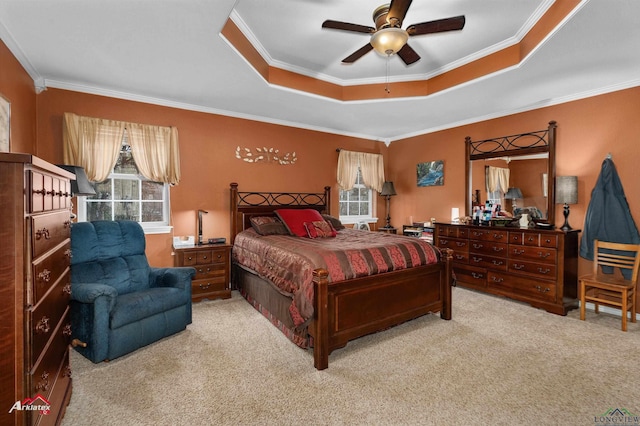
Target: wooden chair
column 612, row 289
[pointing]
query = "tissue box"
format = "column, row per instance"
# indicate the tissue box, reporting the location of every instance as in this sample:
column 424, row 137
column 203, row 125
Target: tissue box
column 188, row 241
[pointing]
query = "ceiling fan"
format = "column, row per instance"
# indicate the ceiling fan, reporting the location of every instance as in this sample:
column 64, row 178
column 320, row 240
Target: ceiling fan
column 388, row 38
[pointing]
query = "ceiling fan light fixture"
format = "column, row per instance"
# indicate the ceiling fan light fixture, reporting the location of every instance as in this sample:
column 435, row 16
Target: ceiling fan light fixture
column 388, row 41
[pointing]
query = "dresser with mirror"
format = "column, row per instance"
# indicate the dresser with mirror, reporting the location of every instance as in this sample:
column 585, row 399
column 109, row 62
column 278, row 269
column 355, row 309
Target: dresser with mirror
column 536, row 264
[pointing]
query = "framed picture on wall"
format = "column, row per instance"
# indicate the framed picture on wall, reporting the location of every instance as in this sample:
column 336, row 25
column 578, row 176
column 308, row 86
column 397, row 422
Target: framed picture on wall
column 5, row 122
column 431, row 173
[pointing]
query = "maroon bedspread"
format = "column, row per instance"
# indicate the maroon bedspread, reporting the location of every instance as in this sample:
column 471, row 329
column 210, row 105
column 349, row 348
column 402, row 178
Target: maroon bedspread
column 289, row 261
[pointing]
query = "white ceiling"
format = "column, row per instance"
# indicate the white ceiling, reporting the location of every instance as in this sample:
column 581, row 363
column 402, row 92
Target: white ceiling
column 170, row 52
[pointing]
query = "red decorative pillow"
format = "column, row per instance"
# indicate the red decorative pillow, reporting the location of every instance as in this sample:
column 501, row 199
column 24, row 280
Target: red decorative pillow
column 268, row 225
column 294, row 219
column 320, row 229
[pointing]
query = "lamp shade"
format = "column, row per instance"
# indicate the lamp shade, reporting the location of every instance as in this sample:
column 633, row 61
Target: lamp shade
column 80, row 186
column 388, row 41
column 566, row 190
column 513, row 194
column 388, row 189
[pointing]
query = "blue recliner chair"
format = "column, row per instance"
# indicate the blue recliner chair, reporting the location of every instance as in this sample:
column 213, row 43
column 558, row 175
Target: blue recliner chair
column 118, row 302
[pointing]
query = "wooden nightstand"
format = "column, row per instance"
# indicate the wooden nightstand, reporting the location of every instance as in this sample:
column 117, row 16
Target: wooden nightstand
column 213, row 270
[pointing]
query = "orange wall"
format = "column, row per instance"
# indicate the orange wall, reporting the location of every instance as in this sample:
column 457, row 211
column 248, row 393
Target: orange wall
column 17, row 86
column 588, row 129
column 208, row 144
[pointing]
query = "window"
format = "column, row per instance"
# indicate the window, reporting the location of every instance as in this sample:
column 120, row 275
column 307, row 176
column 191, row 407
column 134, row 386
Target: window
column 127, row 195
column 357, row 203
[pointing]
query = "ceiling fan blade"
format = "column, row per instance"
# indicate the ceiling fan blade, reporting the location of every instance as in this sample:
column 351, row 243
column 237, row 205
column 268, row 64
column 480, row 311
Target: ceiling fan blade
column 439, row 26
column 358, row 54
column 408, row 55
column 397, row 11
column 345, row 26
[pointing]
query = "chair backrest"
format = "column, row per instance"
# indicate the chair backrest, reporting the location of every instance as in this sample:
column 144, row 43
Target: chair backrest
column 109, row 252
column 617, row 255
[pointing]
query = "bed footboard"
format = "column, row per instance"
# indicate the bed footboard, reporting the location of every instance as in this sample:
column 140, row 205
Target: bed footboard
column 347, row 310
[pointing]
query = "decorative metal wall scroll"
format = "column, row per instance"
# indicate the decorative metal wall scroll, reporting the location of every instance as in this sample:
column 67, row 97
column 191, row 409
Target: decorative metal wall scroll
column 266, row 155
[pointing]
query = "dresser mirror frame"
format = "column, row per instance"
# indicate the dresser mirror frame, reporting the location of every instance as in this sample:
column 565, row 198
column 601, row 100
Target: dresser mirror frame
column 523, row 144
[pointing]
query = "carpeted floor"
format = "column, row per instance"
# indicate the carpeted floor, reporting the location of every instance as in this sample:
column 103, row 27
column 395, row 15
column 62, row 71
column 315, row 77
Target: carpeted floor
column 497, row 362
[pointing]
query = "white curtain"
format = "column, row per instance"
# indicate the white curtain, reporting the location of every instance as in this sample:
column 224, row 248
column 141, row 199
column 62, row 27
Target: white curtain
column 155, row 151
column 95, row 144
column 497, row 178
column 371, row 168
column 92, row 143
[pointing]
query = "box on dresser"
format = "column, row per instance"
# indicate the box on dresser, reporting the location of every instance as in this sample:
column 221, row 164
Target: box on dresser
column 536, row 266
column 35, row 207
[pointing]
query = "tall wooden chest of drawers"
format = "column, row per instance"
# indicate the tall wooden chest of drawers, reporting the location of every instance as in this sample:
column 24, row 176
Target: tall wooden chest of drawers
column 213, row 270
column 35, row 287
column 536, row 266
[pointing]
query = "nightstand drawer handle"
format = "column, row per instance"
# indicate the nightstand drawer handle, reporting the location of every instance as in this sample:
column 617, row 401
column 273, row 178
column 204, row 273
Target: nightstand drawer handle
column 67, row 289
column 476, row 275
column 543, row 255
column 477, row 259
column 205, row 286
column 497, row 280
column 544, row 271
column 477, row 246
column 518, row 267
column 497, row 262
column 497, row 236
column 459, row 256
column 547, row 289
column 42, row 327
column 498, row 249
column 66, row 331
column 516, row 251
column 219, row 256
column 204, row 257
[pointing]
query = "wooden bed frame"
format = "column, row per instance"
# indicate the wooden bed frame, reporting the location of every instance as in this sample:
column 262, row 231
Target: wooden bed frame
column 346, row 310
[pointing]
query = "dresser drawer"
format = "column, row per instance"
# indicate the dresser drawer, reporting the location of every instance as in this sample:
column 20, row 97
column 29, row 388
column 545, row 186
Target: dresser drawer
column 486, row 234
column 460, row 257
column 488, row 247
column 47, row 192
column 46, row 315
column 537, row 254
column 544, row 270
column 212, row 256
column 475, row 277
column 59, row 394
column 209, row 285
column 454, row 244
column 44, row 373
column 46, row 271
column 511, row 285
column 210, row 271
column 485, row 261
column 49, row 230
column 452, row 231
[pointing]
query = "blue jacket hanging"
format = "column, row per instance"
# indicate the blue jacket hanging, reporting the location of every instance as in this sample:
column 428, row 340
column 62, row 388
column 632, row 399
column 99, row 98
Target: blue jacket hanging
column 608, row 216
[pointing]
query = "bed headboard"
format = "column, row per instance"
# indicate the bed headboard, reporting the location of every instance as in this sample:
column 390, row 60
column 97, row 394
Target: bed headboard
column 245, row 205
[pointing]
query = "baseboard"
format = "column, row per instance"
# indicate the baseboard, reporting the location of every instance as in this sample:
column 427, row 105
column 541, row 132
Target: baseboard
column 605, row 309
